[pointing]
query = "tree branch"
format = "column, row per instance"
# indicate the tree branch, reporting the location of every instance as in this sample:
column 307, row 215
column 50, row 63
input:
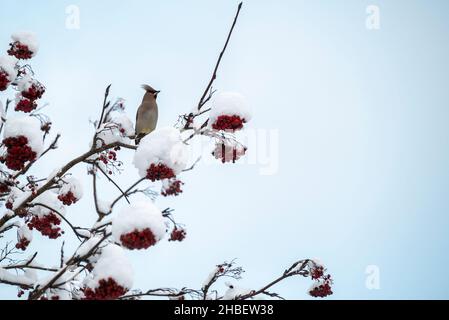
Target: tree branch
column 214, row 74
column 287, row 273
column 64, row 170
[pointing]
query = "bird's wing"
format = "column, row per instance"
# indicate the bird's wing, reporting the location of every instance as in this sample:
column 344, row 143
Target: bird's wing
column 146, row 119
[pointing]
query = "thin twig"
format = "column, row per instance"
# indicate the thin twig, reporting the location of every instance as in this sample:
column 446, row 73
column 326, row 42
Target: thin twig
column 214, row 74
column 287, row 273
column 127, row 192
column 79, row 236
column 113, row 182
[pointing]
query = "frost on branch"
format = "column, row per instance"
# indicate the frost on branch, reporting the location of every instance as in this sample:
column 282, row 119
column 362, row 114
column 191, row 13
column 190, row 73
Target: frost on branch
column 139, row 226
column 111, row 276
column 234, row 292
column 118, row 129
column 229, row 112
column 161, row 155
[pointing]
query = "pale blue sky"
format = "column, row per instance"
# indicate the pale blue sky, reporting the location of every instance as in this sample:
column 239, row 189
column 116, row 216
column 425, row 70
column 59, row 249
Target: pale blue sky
column 361, row 115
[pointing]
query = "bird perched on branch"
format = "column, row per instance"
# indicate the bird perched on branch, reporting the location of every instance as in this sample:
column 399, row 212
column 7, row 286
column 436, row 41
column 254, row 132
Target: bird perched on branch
column 147, row 114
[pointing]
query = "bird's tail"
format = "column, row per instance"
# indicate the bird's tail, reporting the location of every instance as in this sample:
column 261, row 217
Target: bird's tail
column 139, row 137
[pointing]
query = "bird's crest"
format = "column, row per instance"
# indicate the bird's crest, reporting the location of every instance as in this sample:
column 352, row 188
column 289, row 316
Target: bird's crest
column 148, row 88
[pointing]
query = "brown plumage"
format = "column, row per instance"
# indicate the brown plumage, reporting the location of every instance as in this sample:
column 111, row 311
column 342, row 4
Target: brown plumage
column 147, row 113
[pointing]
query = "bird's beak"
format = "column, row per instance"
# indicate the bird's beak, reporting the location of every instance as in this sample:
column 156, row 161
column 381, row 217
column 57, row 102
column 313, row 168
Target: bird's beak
column 157, row 91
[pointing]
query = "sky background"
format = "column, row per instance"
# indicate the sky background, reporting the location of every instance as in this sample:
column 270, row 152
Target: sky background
column 360, row 115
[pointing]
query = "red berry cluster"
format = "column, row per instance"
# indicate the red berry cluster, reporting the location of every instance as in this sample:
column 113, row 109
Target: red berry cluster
column 228, row 153
column 178, row 234
column 26, row 105
column 138, row 239
column 323, row 285
column 20, row 51
column 159, row 172
column 173, row 189
column 226, row 122
column 107, row 290
column 27, row 102
column 35, row 92
column 317, row 272
column 23, row 244
column 68, row 198
column 322, row 290
column 46, row 225
column 20, row 293
column 4, row 188
column 4, row 81
column 9, row 205
column 18, row 152
column 108, row 156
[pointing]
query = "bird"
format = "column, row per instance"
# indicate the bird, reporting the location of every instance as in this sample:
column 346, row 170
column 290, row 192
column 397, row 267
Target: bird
column 147, row 113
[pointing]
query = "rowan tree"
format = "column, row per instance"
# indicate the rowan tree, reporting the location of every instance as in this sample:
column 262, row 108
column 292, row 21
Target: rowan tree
column 99, row 267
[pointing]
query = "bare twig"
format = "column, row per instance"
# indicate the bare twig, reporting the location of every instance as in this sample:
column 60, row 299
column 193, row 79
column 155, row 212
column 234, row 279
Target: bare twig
column 79, row 236
column 105, row 105
column 62, row 255
column 292, row 271
column 114, row 183
column 214, row 74
column 94, row 189
column 127, row 192
column 3, row 119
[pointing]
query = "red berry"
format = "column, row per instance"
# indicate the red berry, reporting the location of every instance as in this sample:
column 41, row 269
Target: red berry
column 34, row 92
column 26, row 105
column 317, row 272
column 226, row 122
column 46, row 225
column 107, row 290
column 322, row 290
column 68, row 198
column 178, row 234
column 4, row 81
column 20, row 51
column 173, row 189
column 18, row 152
column 23, row 244
column 138, row 239
column 159, row 172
